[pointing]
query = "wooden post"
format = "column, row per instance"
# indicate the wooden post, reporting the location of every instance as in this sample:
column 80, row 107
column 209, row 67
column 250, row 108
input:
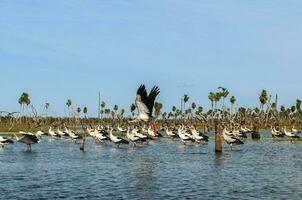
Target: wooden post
column 218, row 137
column 82, row 146
column 99, row 108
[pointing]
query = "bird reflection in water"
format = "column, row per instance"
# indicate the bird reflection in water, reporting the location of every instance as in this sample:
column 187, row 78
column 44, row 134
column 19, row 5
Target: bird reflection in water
column 145, row 178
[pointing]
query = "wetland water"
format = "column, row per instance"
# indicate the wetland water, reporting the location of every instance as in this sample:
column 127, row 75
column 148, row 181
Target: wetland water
column 165, row 169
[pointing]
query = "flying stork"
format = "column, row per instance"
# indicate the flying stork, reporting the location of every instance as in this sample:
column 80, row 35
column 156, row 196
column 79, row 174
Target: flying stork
column 144, row 104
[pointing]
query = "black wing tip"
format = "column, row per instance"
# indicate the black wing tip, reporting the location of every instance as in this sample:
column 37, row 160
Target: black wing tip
column 142, row 86
column 141, row 89
column 156, row 89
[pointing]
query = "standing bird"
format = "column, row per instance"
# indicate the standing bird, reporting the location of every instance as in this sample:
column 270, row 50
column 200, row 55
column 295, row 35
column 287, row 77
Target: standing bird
column 117, row 140
column 133, row 138
column 144, row 104
column 27, row 139
column 230, row 138
column 4, row 140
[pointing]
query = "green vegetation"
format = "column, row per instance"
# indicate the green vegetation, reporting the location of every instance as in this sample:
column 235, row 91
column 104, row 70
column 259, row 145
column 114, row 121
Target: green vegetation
column 266, row 115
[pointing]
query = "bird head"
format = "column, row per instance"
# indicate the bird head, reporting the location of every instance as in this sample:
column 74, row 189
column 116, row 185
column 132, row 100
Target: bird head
column 14, row 136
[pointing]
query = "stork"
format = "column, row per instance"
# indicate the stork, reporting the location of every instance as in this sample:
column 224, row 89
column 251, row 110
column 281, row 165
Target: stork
column 27, row 139
column 133, row 138
column 117, row 140
column 144, row 104
column 230, row 138
column 4, row 140
column 290, row 134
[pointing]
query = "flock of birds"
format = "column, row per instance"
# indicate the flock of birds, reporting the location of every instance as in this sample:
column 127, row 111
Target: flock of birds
column 280, row 133
column 135, row 134
column 129, row 135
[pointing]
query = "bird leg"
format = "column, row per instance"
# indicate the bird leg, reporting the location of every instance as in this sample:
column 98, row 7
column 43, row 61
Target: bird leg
column 154, row 128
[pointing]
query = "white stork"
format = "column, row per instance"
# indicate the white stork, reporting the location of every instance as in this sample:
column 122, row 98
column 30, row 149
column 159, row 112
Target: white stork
column 117, row 140
column 230, row 138
column 4, row 140
column 28, row 139
column 144, row 104
column 290, row 134
column 133, row 138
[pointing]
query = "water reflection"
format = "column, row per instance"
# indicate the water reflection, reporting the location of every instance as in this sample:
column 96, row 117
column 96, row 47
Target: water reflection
column 162, row 170
column 218, row 160
column 145, row 179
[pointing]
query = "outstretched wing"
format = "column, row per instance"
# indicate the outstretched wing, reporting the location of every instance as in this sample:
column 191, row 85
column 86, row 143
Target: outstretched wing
column 141, row 102
column 142, row 94
column 151, row 99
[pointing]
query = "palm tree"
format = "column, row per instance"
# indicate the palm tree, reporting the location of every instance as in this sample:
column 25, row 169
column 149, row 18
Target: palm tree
column 27, row 101
column 69, row 103
column 298, row 105
column 178, row 113
column 263, row 98
column 102, row 112
column 232, row 101
column 282, row 108
column 85, row 110
column 107, row 112
column 174, row 110
column 79, row 110
column 23, row 100
column 46, row 108
column 242, row 112
column 164, row 115
column 122, row 112
column 199, row 111
column 157, row 108
column 282, row 111
column 115, row 108
column 193, row 106
column 103, row 105
column 170, row 114
column 186, row 99
column 224, row 93
column 132, row 108
column 293, row 109
column 217, row 97
column 211, row 97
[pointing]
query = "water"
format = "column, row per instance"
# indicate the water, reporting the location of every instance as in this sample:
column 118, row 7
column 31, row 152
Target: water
column 165, row 169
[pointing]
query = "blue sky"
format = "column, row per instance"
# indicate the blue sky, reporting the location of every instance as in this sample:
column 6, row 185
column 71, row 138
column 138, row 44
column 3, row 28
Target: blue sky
column 57, row 49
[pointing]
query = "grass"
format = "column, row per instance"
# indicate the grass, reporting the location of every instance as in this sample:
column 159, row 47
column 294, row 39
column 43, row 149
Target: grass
column 19, row 127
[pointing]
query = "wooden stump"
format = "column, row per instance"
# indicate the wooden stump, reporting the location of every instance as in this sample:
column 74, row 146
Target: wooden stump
column 82, row 146
column 255, row 134
column 218, row 138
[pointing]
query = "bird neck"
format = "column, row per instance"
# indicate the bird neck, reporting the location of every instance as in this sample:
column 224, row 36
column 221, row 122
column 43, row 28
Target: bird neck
column 17, row 138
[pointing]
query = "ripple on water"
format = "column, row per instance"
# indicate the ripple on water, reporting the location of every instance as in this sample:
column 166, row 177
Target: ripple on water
column 56, row 169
